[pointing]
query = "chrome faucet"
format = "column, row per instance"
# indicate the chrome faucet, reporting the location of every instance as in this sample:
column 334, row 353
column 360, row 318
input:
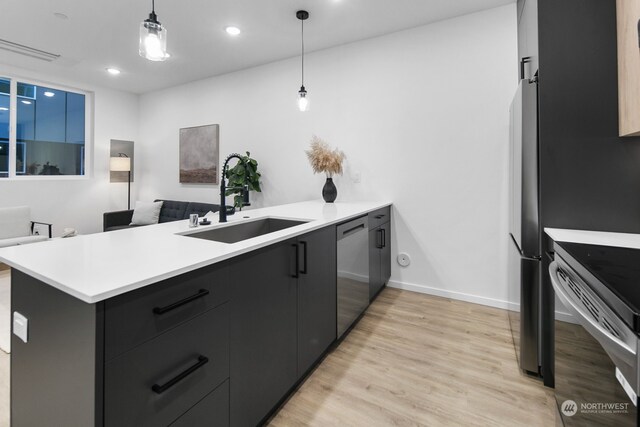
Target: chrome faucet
column 223, row 187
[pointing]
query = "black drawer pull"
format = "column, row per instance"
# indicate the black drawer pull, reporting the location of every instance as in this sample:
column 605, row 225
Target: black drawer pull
column 357, row 227
column 202, row 360
column 297, row 273
column 304, row 246
column 162, row 310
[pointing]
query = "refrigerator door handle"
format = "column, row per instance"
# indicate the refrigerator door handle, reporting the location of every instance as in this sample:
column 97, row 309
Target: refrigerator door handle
column 530, row 258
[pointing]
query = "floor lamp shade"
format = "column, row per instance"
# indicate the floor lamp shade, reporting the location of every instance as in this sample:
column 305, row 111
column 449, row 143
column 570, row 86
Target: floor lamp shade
column 120, row 164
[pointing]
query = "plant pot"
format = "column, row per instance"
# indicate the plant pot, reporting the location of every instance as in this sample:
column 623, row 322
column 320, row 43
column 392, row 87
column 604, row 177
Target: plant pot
column 329, row 191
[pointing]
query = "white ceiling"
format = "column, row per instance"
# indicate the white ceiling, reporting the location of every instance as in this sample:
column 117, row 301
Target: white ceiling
column 99, row 34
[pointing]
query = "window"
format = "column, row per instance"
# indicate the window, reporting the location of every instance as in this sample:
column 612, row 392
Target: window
column 4, row 127
column 50, row 130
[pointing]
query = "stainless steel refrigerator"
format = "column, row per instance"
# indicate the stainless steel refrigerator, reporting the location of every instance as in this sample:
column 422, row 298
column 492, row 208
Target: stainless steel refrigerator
column 524, row 226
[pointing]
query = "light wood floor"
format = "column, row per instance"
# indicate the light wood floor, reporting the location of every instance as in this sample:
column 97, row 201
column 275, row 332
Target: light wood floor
column 416, row 359
column 412, row 360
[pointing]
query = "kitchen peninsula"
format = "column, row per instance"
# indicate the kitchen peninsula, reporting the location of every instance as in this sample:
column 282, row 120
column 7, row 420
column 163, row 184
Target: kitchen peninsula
column 150, row 326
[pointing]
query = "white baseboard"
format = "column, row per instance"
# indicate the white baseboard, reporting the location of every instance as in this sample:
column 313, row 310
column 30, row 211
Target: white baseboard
column 491, row 302
column 461, row 296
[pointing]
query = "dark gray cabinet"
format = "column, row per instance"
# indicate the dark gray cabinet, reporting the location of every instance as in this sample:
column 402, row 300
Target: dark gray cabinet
column 316, row 296
column 221, row 345
column 379, row 250
column 263, row 344
column 137, row 316
column 139, row 385
column 212, row 411
column 385, row 253
column 283, row 319
column 62, row 376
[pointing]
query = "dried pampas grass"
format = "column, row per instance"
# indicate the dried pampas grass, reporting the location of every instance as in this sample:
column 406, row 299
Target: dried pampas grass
column 323, row 159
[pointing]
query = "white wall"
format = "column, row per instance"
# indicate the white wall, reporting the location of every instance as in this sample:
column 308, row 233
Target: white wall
column 79, row 202
column 422, row 115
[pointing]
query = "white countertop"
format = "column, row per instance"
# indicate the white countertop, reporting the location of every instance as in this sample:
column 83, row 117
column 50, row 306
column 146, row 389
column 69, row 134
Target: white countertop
column 95, row 267
column 604, row 238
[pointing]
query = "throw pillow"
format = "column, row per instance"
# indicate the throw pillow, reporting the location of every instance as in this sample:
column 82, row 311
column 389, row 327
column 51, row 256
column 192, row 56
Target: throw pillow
column 146, row 213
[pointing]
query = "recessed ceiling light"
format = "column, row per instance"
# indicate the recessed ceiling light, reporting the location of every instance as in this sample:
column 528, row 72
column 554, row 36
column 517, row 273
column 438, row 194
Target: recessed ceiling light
column 233, row 31
column 61, row 16
column 113, row 71
column 49, row 94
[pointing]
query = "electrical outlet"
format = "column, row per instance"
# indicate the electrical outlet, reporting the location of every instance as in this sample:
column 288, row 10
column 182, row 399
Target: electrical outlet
column 20, row 326
column 404, row 259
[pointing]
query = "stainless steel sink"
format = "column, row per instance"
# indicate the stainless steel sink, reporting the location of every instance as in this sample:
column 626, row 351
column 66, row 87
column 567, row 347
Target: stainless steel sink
column 245, row 230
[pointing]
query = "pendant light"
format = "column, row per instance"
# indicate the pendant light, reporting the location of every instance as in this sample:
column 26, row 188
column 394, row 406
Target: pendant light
column 153, row 38
column 303, row 101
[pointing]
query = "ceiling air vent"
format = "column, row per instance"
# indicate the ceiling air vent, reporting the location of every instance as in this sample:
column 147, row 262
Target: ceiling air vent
column 28, row 51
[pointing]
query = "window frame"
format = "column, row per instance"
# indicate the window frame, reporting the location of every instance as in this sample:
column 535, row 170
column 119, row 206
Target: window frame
column 13, row 120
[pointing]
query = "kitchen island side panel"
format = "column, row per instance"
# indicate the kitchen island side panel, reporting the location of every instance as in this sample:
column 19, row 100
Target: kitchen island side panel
column 63, row 353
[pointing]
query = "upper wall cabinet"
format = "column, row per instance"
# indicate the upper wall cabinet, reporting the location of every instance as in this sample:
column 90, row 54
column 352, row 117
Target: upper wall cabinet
column 528, row 37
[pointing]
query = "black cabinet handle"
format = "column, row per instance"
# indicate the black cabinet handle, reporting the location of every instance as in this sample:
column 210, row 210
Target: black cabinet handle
column 296, row 275
column 202, row 360
column 384, row 237
column 162, row 310
column 523, row 61
column 304, row 257
column 357, row 227
column 379, row 238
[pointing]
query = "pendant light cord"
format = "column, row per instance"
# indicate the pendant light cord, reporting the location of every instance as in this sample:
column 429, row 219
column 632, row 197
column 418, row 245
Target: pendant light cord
column 302, row 20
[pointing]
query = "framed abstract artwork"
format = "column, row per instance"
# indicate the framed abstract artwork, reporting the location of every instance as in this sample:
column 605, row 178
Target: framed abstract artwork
column 199, row 152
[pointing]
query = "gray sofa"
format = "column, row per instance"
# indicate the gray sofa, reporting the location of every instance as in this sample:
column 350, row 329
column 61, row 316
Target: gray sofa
column 172, row 210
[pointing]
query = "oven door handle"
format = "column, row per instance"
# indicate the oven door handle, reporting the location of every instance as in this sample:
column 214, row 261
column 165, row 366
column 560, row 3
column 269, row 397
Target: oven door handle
column 616, row 348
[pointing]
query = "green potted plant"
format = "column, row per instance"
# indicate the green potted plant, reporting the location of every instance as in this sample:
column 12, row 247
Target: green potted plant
column 238, row 177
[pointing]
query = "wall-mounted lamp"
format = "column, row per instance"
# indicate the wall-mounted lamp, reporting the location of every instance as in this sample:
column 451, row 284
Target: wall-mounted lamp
column 122, row 163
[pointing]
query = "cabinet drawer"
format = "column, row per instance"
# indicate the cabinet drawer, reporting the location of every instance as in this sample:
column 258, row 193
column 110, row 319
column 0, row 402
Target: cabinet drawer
column 155, row 383
column 212, row 411
column 379, row 217
column 140, row 315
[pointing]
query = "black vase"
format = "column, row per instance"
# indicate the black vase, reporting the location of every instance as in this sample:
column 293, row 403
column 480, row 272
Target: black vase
column 329, row 191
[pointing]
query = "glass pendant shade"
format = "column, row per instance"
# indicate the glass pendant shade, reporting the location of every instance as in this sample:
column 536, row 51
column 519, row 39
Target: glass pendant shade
column 153, row 40
column 303, row 101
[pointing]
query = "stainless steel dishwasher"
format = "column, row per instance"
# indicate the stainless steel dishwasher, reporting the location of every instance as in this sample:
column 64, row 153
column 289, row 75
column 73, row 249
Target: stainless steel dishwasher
column 353, row 271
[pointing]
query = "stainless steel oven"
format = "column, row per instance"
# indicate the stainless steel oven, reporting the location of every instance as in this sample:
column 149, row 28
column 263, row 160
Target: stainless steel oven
column 596, row 358
column 353, row 271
